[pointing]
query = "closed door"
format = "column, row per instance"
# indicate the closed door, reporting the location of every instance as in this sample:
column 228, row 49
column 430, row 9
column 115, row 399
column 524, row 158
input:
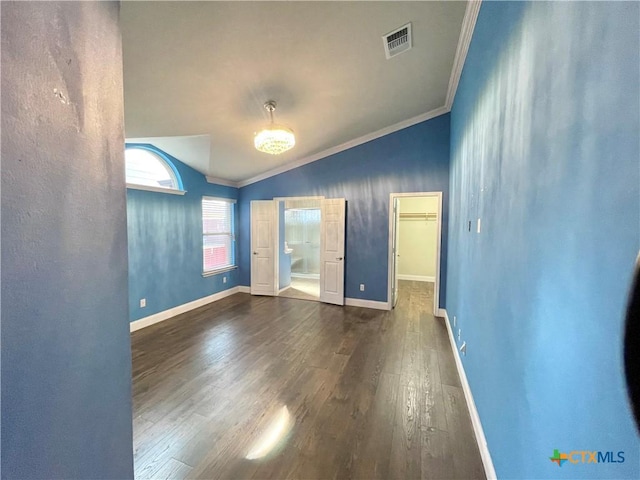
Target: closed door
column 332, row 250
column 263, row 221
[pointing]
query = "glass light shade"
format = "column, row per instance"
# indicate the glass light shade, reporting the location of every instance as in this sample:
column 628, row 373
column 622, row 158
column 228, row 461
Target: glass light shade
column 275, row 139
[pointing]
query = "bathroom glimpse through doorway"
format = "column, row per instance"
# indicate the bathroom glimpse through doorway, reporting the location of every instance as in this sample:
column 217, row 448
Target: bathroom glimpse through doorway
column 299, row 249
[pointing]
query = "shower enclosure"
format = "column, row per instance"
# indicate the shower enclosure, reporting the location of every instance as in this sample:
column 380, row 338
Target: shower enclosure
column 302, row 234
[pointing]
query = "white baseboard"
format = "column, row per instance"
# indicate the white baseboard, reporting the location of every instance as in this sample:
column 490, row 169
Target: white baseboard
column 441, row 312
column 417, row 278
column 244, row 289
column 358, row 302
column 489, row 470
column 185, row 307
column 283, row 289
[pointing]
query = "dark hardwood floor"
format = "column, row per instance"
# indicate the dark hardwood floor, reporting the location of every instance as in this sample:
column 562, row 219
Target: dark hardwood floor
column 270, row 387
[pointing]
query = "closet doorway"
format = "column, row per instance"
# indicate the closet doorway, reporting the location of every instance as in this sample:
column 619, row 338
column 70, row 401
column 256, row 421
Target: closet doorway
column 415, row 237
column 299, row 252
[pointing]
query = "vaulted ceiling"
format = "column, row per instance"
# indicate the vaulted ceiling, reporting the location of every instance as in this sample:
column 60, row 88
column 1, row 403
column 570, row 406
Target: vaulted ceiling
column 196, row 75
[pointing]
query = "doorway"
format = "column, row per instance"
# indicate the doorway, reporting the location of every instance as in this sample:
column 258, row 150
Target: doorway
column 271, row 259
column 415, row 232
column 299, row 248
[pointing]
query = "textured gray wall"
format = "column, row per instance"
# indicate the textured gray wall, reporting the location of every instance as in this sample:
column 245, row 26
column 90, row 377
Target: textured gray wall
column 66, row 366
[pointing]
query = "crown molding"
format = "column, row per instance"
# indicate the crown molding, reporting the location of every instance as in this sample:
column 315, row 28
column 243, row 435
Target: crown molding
column 345, row 146
column 466, row 33
column 221, row 181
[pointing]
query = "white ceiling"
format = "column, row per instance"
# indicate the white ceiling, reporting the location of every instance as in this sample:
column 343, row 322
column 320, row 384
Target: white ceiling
column 201, row 71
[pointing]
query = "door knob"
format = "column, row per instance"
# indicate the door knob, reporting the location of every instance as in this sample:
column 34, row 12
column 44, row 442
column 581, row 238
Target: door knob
column 339, row 258
column 255, row 253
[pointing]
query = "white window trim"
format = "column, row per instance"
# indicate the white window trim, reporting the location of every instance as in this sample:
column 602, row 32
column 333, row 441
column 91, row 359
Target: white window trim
column 220, row 199
column 150, row 188
column 210, row 273
column 231, row 201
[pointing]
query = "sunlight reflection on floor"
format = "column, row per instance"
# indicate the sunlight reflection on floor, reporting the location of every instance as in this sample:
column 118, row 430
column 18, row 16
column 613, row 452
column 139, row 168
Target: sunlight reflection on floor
column 273, row 435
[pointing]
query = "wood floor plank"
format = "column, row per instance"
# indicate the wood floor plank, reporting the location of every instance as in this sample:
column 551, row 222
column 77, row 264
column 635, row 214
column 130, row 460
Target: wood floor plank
column 467, row 462
column 437, row 455
column 448, row 370
column 368, row 394
column 406, row 460
column 371, row 460
column 411, row 371
column 174, row 470
column 432, row 411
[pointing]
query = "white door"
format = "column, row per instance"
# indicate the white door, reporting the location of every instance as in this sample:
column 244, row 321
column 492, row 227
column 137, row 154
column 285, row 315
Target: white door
column 332, row 250
column 395, row 253
column 263, row 239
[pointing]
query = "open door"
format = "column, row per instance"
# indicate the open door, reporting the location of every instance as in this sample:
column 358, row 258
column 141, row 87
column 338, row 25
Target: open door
column 419, row 243
column 332, row 251
column 395, row 253
column 263, row 240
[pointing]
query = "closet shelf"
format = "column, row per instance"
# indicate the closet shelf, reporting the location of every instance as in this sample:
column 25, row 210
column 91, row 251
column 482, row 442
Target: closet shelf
column 420, row 215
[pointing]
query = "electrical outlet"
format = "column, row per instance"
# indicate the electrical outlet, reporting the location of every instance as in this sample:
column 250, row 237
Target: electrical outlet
column 463, row 348
column 454, row 320
column 224, row 279
column 459, row 334
column 143, row 302
column 362, row 287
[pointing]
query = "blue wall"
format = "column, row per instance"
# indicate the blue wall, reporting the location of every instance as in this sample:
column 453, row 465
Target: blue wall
column 414, row 159
column 544, row 146
column 165, row 245
column 66, row 359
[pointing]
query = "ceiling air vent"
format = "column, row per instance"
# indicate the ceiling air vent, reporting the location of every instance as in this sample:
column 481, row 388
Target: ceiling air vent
column 397, row 41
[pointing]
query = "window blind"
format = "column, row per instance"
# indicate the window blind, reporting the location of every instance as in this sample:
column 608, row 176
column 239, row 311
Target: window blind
column 218, row 240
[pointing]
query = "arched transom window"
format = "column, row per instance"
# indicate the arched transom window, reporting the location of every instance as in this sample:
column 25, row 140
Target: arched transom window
column 148, row 169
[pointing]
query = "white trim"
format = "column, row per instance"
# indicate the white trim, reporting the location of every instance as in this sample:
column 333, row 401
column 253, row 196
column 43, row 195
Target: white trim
column 221, row 199
column 185, row 307
column 218, row 271
column 358, row 302
column 466, row 33
column 283, row 289
column 276, row 248
column 441, row 313
column 345, row 146
column 489, row 470
column 221, row 181
column 310, row 197
column 149, row 188
column 417, row 278
column 244, row 289
column 436, row 285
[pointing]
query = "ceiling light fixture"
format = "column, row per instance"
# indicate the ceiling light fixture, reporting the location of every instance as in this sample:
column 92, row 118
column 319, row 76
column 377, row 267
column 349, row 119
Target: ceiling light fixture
column 274, row 139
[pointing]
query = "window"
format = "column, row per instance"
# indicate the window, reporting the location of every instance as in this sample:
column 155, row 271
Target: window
column 218, row 239
column 148, row 170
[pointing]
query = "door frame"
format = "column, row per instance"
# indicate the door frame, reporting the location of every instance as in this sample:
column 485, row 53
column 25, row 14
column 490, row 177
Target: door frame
column 390, row 281
column 276, row 201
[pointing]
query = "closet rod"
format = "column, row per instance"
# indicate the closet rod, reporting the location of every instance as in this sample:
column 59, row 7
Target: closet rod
column 419, row 215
